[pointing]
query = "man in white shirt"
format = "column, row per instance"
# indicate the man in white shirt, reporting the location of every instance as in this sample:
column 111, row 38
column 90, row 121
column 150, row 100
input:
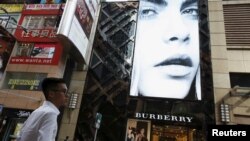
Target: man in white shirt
column 42, row 123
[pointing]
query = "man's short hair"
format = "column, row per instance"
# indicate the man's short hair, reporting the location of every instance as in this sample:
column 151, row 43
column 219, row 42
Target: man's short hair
column 50, row 83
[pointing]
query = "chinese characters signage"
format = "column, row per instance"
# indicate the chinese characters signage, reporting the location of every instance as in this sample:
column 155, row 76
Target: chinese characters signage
column 24, row 80
column 38, row 23
column 39, row 33
column 42, row 6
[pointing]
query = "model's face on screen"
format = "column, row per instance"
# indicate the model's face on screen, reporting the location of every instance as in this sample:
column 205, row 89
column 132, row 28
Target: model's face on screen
column 167, row 47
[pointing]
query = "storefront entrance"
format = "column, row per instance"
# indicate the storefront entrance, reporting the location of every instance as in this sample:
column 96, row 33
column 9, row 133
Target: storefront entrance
column 175, row 133
column 11, row 123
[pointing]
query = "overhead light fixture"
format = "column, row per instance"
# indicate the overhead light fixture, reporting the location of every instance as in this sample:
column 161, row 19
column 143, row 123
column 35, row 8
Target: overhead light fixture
column 73, row 100
column 225, row 112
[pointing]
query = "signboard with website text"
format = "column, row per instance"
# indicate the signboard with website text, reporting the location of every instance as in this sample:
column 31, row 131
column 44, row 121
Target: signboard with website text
column 40, row 54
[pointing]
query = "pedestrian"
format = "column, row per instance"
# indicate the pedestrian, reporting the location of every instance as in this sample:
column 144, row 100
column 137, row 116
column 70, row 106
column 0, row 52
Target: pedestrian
column 41, row 125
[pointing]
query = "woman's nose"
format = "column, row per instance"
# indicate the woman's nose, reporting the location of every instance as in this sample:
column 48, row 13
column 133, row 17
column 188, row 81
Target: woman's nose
column 175, row 31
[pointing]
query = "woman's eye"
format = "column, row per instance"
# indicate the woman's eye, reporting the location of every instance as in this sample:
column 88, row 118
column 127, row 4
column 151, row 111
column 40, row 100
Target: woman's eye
column 192, row 12
column 147, row 13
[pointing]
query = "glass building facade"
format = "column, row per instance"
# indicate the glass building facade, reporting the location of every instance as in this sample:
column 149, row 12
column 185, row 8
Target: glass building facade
column 108, row 83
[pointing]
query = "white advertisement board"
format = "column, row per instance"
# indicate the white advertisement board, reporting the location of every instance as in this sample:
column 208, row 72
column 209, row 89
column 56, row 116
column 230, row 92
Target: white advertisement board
column 166, row 61
column 77, row 22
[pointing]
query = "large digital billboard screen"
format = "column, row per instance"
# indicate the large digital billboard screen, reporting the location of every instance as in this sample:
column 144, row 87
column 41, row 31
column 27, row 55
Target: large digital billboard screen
column 166, row 61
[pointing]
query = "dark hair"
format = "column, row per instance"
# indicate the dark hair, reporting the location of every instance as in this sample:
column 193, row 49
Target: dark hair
column 50, row 83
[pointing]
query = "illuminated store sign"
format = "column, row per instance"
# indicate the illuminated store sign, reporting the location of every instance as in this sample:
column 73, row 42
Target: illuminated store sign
column 11, row 8
column 24, row 81
column 165, row 117
column 23, row 113
column 16, row 113
column 21, row 82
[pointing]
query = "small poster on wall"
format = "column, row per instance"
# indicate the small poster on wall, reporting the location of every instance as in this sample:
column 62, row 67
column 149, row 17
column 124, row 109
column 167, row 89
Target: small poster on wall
column 43, row 52
column 138, row 130
column 84, row 17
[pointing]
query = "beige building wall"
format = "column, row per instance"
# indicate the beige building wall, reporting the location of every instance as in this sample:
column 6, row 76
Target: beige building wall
column 70, row 116
column 24, row 99
column 225, row 61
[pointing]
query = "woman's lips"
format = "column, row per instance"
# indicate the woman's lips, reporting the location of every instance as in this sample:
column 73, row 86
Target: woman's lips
column 182, row 60
column 176, row 66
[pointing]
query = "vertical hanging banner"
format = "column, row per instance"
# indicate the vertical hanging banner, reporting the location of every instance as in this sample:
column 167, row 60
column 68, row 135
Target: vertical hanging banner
column 92, row 6
column 83, row 16
column 76, row 24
